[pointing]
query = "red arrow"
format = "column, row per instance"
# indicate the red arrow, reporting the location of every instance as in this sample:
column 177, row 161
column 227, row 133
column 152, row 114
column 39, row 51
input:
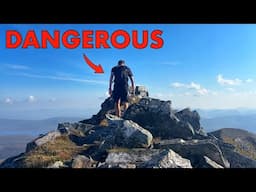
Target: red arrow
column 96, row 68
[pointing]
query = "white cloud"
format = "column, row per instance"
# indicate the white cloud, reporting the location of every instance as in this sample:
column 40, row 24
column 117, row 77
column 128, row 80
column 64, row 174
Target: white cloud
column 249, row 80
column 8, row 100
column 223, row 81
column 187, row 93
column 194, row 86
column 231, row 89
column 178, row 85
column 61, row 78
column 223, row 100
column 17, row 67
column 31, row 99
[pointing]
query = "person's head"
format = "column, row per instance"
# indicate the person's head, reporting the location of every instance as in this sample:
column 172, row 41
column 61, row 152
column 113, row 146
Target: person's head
column 121, row 62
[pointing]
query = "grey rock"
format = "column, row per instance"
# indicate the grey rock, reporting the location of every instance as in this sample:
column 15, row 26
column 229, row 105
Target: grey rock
column 168, row 159
column 13, row 162
column 157, row 117
column 117, row 165
column 57, row 164
column 239, row 161
column 81, row 161
column 212, row 164
column 49, row 137
column 129, row 134
column 67, row 127
column 236, row 160
column 146, row 158
column 193, row 118
column 106, row 107
column 195, row 150
column 141, row 91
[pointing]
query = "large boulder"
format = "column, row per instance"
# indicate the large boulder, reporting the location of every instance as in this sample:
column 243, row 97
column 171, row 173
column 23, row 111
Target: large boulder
column 193, row 118
column 145, row 158
column 49, row 137
column 141, row 91
column 195, row 150
column 121, row 133
column 81, row 161
column 67, row 128
column 157, row 117
column 57, row 164
column 108, row 106
column 129, row 134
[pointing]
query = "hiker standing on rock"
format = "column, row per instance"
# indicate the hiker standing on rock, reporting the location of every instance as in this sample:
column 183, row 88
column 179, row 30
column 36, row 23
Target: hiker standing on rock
column 120, row 74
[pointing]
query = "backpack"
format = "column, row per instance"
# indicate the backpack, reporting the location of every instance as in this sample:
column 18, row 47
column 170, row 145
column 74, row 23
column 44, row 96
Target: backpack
column 121, row 75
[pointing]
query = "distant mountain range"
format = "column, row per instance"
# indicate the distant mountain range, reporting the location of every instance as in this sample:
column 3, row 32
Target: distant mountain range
column 32, row 127
column 246, row 122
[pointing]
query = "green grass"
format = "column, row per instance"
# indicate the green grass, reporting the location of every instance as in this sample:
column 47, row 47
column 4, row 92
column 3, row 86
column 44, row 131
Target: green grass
column 61, row 149
column 250, row 150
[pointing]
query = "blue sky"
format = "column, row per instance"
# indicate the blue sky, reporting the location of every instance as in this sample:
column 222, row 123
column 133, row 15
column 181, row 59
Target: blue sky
column 209, row 66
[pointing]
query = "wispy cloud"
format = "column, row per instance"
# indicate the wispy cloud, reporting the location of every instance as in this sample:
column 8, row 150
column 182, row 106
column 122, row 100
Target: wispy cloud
column 62, row 78
column 221, row 80
column 249, row 80
column 8, row 100
column 178, row 85
column 31, row 99
column 17, row 67
column 194, row 86
column 231, row 89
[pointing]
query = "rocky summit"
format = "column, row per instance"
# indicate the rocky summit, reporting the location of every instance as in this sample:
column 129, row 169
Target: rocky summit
column 150, row 134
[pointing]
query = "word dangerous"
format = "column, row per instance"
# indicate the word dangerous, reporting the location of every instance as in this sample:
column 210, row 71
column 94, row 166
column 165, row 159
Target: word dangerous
column 87, row 39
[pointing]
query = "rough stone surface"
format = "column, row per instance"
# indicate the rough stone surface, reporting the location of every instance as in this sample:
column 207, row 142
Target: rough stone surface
column 195, row 150
column 57, row 164
column 147, row 158
column 157, row 117
column 193, row 118
column 69, row 127
column 81, row 161
column 129, row 134
column 211, row 163
column 49, row 137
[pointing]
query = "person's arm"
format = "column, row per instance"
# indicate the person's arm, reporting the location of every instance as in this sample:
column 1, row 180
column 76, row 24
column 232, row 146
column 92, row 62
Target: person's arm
column 132, row 81
column 110, row 84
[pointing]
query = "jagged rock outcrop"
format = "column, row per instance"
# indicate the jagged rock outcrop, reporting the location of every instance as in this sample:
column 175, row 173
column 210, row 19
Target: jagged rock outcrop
column 195, row 150
column 211, row 164
column 67, row 127
column 81, row 161
column 42, row 140
column 107, row 107
column 145, row 158
column 151, row 134
column 129, row 134
column 141, row 91
column 193, row 118
column 158, row 117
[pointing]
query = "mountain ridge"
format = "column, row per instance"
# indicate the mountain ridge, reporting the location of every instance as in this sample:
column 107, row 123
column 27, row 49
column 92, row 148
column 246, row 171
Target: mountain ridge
column 151, row 134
